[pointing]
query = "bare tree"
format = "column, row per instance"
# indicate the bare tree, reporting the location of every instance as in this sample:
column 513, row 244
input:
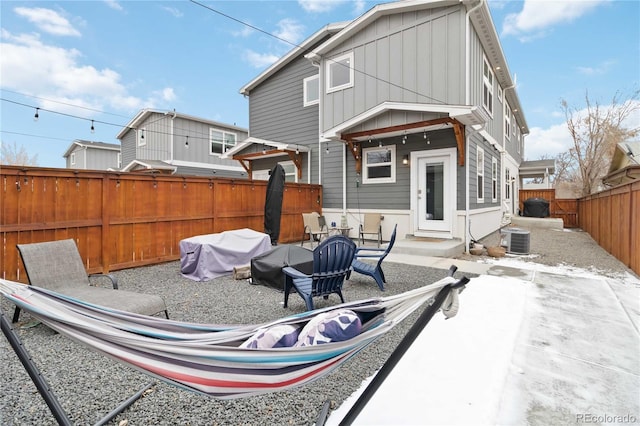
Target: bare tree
column 595, row 131
column 11, row 154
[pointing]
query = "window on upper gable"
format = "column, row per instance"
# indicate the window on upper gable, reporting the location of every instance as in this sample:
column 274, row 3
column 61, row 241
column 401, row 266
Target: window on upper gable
column 119, row 160
column 72, row 158
column 507, row 121
column 311, row 88
column 141, row 135
column 339, row 72
column 487, row 87
column 480, row 174
column 221, row 141
column 379, row 165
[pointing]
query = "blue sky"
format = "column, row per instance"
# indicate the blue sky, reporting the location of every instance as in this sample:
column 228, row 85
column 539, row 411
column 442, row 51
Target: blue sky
column 106, row 60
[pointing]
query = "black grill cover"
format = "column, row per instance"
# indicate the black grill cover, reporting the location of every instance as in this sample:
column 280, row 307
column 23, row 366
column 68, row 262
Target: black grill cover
column 266, row 269
column 536, row 207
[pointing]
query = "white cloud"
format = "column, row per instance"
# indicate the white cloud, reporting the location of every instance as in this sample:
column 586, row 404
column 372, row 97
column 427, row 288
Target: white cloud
column 32, row 67
column 48, row 20
column 259, row 60
column 172, row 10
column 316, row 6
column 244, row 32
column 168, row 94
column 113, row 4
column 549, row 142
column 601, row 69
column 289, row 30
column 538, row 15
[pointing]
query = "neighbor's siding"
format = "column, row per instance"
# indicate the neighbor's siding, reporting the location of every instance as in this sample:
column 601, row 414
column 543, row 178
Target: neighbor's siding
column 276, row 112
column 128, row 147
column 101, row 159
column 407, row 57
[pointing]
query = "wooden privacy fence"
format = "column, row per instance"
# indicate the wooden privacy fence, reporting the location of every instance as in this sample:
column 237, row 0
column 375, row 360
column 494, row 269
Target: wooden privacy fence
column 124, row 220
column 611, row 218
column 563, row 208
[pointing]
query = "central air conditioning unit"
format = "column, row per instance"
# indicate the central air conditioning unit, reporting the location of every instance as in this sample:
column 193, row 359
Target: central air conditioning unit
column 515, row 240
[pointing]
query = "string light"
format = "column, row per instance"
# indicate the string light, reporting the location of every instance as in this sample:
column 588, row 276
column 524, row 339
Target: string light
column 424, row 135
column 428, row 140
column 326, row 145
column 93, row 129
column 297, row 150
column 186, row 142
column 380, row 143
column 36, row 116
column 404, row 139
column 142, row 134
column 264, row 149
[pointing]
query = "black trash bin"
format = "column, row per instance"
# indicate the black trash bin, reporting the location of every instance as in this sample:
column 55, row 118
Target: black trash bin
column 536, row 207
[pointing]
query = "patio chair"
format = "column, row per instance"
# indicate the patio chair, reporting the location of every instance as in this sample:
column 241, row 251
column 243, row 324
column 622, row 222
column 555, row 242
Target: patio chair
column 331, row 264
column 314, row 225
column 57, row 266
column 371, row 226
column 368, row 261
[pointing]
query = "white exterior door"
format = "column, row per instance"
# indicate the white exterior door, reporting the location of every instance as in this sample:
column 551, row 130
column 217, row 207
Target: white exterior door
column 434, row 188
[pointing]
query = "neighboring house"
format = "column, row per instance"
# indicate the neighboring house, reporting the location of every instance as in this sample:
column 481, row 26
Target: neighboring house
column 625, row 164
column 538, row 173
column 87, row 155
column 408, row 110
column 174, row 143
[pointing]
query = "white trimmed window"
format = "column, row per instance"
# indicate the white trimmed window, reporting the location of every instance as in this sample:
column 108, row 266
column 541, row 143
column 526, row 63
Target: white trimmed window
column 519, row 140
column 480, row 174
column 507, row 121
column 311, row 87
column 119, row 160
column 494, row 179
column 340, row 72
column 507, row 184
column 141, row 135
column 379, row 165
column 487, row 87
column 72, row 158
column 221, row 141
column 500, row 93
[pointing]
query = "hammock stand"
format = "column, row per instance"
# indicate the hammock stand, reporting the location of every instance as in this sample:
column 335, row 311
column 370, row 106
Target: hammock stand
column 434, row 305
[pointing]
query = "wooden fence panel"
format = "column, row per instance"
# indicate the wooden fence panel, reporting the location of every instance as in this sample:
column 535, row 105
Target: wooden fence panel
column 562, row 208
column 123, row 220
column 634, row 229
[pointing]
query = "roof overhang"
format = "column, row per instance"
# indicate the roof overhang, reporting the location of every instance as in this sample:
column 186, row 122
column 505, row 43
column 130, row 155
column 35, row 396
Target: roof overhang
column 628, row 174
column 537, row 169
column 149, row 166
column 269, row 149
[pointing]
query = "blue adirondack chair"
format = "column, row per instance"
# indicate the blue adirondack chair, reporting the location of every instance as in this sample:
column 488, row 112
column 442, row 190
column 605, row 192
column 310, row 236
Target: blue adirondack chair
column 331, row 265
column 373, row 254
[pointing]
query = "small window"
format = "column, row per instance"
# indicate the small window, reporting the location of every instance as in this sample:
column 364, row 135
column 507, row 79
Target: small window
column 480, row 174
column 72, row 158
column 494, row 179
column 221, row 141
column 311, row 90
column 507, row 184
column 507, row 121
column 487, row 87
column 119, row 160
column 500, row 93
column 142, row 136
column 340, row 72
column 379, row 165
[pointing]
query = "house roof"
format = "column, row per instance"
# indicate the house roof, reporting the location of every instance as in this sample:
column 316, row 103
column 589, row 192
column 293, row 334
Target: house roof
column 625, row 153
column 91, row 144
column 149, row 166
column 143, row 114
column 293, row 54
column 281, row 147
column 537, row 168
column 481, row 19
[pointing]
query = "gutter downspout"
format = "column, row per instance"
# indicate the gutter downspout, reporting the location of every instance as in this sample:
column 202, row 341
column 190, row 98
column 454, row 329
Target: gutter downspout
column 467, row 71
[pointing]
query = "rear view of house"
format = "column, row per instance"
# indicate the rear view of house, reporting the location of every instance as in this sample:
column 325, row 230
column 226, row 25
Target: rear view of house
column 409, row 111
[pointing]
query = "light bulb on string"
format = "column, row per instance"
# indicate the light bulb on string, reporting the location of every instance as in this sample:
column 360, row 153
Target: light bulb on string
column 186, row 142
column 380, row 143
column 93, row 129
column 326, row 145
column 36, row 116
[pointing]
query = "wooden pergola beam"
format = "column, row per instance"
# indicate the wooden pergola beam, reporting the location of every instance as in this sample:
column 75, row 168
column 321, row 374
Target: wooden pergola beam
column 246, row 160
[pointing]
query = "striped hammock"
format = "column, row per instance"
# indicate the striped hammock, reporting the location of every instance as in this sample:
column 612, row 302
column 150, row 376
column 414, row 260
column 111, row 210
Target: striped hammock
column 207, row 358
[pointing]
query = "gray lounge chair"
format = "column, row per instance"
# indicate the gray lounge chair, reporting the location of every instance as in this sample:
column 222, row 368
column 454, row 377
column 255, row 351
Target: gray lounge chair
column 57, row 266
column 368, row 261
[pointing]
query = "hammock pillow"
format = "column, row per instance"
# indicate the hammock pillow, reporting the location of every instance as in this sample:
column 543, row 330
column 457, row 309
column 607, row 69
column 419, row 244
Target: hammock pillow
column 335, row 326
column 278, row 336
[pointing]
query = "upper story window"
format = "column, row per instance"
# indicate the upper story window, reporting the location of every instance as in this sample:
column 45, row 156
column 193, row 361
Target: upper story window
column 499, row 93
column 487, row 87
column 221, row 141
column 507, row 184
column 340, row 72
column 494, row 179
column 519, row 139
column 379, row 165
column 311, row 90
column 72, row 158
column 480, row 174
column 142, row 137
column 507, row 121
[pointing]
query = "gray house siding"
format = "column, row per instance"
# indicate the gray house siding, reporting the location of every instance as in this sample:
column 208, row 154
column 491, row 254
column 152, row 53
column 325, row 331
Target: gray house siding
column 277, row 113
column 490, row 152
column 406, row 57
column 89, row 158
column 128, row 147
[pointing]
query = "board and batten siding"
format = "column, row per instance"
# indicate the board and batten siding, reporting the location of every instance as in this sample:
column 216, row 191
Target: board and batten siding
column 128, row 147
column 277, row 112
column 406, row 57
column 490, row 152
